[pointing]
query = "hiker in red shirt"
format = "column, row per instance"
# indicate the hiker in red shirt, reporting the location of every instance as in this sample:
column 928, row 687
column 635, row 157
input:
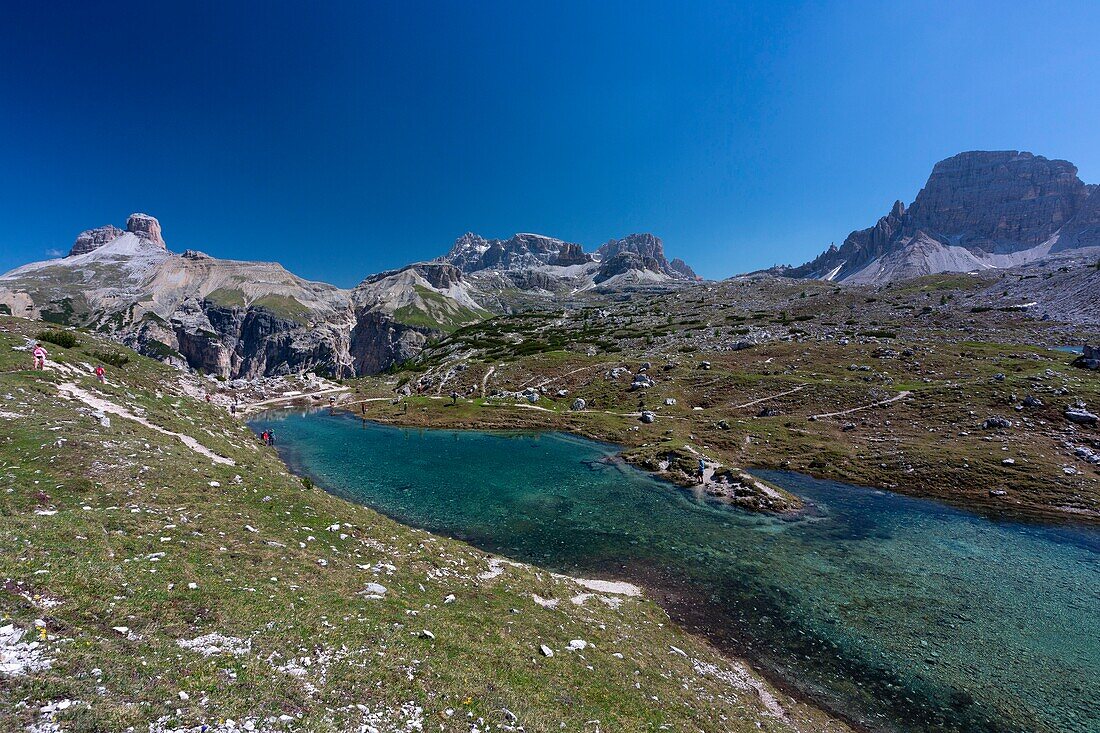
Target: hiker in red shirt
column 101, row 374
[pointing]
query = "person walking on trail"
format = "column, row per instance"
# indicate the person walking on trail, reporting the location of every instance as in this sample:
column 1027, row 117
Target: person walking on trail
column 702, row 471
column 40, row 355
column 101, row 374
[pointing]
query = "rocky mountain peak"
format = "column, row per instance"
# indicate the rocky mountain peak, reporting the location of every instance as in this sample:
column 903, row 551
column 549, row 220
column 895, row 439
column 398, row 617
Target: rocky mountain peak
column 146, row 227
column 641, row 251
column 978, row 209
column 996, row 201
column 92, row 239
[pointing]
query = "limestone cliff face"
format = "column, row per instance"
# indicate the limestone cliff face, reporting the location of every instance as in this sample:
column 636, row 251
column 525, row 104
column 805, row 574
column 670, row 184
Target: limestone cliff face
column 978, row 210
column 570, row 254
column 378, row 341
column 92, row 239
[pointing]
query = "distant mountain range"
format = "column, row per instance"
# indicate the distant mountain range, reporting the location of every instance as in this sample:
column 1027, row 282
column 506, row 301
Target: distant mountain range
column 245, row 319
column 978, row 211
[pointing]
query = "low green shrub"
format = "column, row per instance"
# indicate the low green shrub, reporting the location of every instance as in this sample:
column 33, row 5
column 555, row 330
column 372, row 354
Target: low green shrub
column 113, row 358
column 64, row 339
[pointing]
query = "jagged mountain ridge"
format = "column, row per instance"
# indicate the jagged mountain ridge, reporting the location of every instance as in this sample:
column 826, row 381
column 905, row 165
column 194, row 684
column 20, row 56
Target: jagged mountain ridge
column 246, row 319
column 979, row 210
column 235, row 318
column 634, row 259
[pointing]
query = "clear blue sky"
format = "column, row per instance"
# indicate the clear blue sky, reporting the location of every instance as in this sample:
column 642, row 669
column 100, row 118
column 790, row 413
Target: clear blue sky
column 342, row 138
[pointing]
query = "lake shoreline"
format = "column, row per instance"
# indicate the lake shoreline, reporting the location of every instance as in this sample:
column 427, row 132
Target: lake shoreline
column 645, row 583
column 537, row 420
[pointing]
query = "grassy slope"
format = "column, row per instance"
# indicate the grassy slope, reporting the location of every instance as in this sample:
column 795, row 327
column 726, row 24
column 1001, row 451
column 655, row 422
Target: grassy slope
column 930, row 443
column 139, row 518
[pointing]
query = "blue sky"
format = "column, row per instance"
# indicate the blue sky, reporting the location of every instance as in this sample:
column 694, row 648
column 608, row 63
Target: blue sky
column 343, row 138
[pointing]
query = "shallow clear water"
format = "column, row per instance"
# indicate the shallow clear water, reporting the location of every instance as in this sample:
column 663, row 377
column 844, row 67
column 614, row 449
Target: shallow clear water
column 900, row 613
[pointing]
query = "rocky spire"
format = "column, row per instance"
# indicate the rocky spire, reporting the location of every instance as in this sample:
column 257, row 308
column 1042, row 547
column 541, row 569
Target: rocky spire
column 146, row 227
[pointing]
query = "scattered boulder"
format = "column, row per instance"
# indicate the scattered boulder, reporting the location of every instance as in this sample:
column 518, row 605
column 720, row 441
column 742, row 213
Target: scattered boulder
column 767, row 412
column 1089, row 359
column 641, row 381
column 546, row 651
column 532, row 397
column 995, row 422
column 1032, row 401
column 375, row 591
column 648, row 416
column 704, row 365
column 670, row 401
column 1078, row 414
column 578, row 404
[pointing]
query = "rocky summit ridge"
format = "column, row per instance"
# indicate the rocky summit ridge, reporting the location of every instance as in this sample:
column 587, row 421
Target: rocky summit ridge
column 979, row 210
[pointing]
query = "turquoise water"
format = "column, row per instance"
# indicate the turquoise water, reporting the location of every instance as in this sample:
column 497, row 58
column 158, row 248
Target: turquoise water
column 900, row 613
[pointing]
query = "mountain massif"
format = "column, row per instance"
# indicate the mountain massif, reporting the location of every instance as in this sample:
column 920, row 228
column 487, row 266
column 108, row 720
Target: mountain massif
column 978, row 211
column 246, row 319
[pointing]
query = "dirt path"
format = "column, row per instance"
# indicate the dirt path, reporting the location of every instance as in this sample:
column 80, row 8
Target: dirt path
column 899, row 396
column 276, row 400
column 485, row 379
column 106, row 406
column 771, row 397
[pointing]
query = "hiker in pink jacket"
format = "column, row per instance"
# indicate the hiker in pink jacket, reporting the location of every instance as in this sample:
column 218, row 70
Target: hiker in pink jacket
column 40, row 355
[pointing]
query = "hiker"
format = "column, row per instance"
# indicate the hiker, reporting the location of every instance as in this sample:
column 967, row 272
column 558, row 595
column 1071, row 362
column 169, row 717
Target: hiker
column 265, row 437
column 271, row 437
column 101, row 374
column 404, row 407
column 454, row 397
column 702, row 471
column 208, row 397
column 40, row 355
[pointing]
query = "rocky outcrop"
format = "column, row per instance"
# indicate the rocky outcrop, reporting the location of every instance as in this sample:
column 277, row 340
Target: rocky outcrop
column 978, row 210
column 640, row 252
column 92, row 239
column 378, row 342
column 571, row 254
column 532, row 280
column 146, row 227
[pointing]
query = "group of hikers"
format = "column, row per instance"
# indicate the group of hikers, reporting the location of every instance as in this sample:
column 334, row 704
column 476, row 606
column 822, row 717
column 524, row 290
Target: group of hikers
column 40, row 354
column 268, row 437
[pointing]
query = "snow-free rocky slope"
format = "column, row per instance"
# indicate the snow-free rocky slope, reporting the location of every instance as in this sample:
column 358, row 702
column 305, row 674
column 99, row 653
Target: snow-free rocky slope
column 979, row 210
column 158, row 584
column 247, row 319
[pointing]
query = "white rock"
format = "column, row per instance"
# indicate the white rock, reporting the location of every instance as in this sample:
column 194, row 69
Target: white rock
column 577, row 645
column 546, row 651
column 375, row 590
